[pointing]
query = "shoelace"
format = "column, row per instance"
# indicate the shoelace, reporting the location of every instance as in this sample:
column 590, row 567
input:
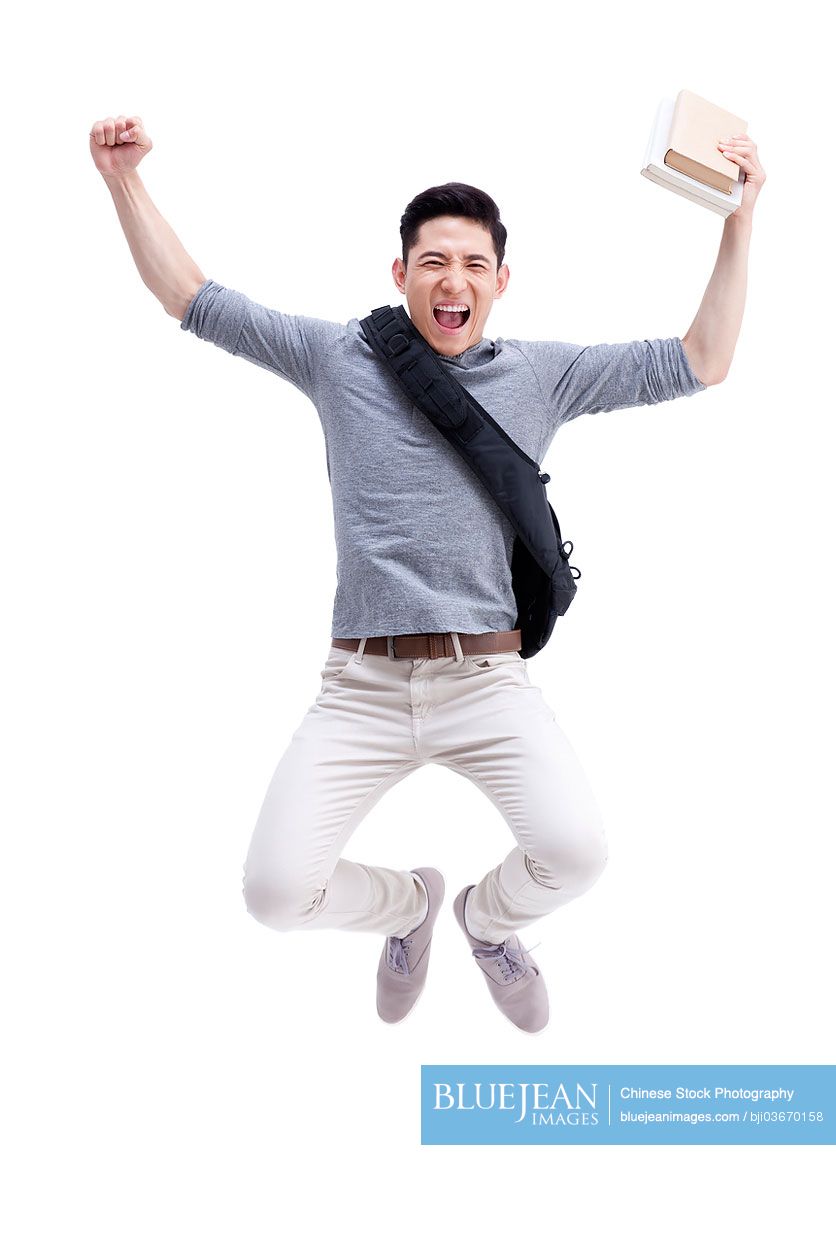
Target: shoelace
column 515, row 963
column 397, row 955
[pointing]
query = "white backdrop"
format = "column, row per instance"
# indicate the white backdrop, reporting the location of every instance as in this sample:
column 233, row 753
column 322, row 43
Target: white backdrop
column 179, row 1077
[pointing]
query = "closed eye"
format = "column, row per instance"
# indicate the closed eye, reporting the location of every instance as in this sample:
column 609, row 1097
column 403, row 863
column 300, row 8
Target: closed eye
column 474, row 265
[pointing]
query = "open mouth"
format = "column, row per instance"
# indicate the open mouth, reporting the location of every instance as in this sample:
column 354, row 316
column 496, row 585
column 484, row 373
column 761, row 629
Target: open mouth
column 451, row 317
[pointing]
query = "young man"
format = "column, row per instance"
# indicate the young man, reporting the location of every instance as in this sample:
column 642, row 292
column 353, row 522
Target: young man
column 424, row 664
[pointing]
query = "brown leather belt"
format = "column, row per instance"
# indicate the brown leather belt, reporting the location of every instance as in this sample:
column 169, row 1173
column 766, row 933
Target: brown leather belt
column 435, row 644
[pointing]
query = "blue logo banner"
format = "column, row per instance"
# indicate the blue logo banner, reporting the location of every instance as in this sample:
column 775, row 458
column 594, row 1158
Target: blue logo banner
column 693, row 1104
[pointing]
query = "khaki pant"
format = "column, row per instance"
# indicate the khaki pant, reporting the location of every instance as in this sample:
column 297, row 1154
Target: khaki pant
column 376, row 720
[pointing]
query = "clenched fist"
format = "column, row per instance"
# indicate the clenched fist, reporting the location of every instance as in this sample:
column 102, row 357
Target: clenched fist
column 118, row 144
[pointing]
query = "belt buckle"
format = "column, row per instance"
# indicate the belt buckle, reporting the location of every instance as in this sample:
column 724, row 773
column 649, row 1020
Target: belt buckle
column 436, row 646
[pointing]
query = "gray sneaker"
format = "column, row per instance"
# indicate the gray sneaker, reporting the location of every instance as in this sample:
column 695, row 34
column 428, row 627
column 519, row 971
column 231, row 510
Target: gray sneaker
column 516, row 984
column 402, row 971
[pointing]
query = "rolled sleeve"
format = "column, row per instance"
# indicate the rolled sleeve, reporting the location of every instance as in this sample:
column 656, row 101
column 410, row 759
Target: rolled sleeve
column 216, row 314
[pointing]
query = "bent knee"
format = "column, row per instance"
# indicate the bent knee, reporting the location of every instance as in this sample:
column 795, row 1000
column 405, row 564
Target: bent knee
column 573, row 861
column 279, row 903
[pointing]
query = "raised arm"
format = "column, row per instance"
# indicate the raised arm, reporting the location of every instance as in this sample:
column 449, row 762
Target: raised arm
column 117, row 146
column 711, row 339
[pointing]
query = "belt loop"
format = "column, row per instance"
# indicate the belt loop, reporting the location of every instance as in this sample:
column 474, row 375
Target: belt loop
column 457, row 647
column 390, row 647
column 363, row 640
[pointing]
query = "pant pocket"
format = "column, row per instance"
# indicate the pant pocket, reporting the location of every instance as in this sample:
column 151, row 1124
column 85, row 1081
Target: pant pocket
column 488, row 662
column 335, row 664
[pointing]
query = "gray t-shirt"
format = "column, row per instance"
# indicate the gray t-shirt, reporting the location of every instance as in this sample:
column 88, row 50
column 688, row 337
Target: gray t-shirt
column 421, row 546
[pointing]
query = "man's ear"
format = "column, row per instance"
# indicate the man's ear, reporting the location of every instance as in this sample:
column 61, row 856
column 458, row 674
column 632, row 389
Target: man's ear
column 502, row 277
column 399, row 275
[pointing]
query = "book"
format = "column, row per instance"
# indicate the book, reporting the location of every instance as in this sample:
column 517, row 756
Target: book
column 685, row 138
column 696, row 126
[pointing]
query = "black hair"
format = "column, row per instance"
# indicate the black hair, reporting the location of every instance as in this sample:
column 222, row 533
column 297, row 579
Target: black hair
column 458, row 200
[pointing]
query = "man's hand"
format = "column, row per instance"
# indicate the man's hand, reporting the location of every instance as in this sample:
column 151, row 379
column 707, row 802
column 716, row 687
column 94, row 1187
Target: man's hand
column 117, row 145
column 744, row 151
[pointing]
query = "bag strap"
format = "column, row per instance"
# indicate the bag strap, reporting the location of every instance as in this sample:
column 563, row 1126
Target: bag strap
column 400, row 345
column 520, row 489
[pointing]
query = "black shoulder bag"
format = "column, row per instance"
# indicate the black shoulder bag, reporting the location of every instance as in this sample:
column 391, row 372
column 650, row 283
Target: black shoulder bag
column 541, row 577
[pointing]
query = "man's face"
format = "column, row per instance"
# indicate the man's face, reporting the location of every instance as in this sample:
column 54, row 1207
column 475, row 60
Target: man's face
column 453, row 262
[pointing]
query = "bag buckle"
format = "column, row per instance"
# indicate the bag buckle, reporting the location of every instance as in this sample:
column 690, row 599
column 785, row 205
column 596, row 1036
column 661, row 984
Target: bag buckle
column 397, row 344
